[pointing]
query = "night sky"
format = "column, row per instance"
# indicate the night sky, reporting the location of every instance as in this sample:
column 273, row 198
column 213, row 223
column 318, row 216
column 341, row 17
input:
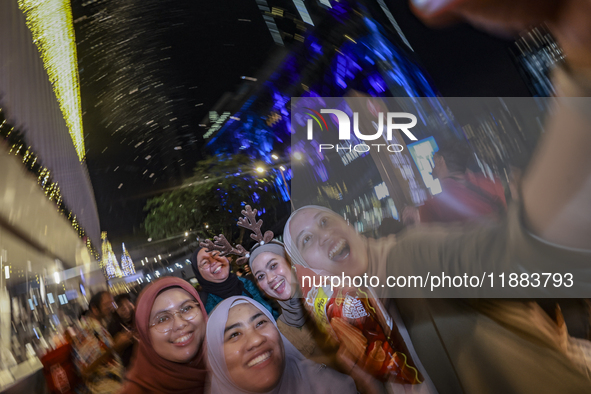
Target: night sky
column 151, row 70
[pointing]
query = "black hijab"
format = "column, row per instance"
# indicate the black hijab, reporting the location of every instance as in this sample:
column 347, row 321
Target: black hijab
column 228, row 288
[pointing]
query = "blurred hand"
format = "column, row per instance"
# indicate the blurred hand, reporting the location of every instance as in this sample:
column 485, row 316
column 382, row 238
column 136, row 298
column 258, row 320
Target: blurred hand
column 366, row 384
column 569, row 20
column 122, row 339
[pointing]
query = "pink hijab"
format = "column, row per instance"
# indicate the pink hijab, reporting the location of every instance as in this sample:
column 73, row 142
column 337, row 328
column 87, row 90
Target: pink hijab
column 151, row 373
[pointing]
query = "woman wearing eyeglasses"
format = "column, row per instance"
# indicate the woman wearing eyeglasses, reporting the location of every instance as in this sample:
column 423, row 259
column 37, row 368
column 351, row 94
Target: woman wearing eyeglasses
column 170, row 356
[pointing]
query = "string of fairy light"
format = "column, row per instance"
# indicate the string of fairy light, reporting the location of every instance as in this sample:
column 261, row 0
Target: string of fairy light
column 18, row 147
column 50, row 22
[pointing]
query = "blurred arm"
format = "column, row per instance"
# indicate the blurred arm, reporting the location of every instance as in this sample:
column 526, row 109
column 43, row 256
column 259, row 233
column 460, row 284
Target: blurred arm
column 557, row 184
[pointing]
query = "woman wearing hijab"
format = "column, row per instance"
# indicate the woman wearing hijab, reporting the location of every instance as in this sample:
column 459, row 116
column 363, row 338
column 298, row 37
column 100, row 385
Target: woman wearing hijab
column 247, row 354
column 218, row 283
column 473, row 346
column 170, row 355
column 274, row 276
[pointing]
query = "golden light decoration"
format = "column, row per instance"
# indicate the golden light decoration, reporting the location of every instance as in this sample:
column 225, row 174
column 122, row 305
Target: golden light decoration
column 109, row 262
column 50, row 188
column 50, row 22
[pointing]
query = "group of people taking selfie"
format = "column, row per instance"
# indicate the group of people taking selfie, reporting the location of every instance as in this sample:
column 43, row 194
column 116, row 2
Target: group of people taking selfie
column 255, row 334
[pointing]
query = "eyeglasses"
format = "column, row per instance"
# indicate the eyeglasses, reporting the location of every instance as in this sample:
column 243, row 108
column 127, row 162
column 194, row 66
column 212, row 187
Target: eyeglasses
column 213, row 256
column 163, row 322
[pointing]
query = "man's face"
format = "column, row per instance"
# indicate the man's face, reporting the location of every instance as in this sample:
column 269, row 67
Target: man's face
column 107, row 306
column 125, row 310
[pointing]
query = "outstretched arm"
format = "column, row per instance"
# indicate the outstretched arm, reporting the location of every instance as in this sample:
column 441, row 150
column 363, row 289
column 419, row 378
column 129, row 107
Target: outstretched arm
column 557, row 184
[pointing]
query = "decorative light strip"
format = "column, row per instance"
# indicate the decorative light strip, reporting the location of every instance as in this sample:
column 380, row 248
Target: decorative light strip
column 17, row 146
column 50, row 22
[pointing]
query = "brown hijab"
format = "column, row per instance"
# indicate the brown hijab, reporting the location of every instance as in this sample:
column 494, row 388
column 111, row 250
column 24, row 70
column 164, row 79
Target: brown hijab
column 151, row 373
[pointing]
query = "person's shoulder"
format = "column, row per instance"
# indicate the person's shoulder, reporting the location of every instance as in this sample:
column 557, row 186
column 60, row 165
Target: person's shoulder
column 251, row 287
column 131, row 387
column 383, row 242
column 91, row 324
column 247, row 283
column 203, row 296
column 243, row 279
column 114, row 327
column 212, row 301
column 115, row 323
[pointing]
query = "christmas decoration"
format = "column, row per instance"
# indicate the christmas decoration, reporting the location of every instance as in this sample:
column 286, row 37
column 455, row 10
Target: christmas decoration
column 17, row 145
column 249, row 222
column 127, row 266
column 51, row 25
column 109, row 262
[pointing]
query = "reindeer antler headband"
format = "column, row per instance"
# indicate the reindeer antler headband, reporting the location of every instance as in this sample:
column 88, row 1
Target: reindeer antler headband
column 249, row 222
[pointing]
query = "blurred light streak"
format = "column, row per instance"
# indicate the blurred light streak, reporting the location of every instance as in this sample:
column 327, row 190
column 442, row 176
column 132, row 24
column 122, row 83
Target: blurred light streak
column 50, row 22
column 303, row 12
column 394, row 23
column 264, row 7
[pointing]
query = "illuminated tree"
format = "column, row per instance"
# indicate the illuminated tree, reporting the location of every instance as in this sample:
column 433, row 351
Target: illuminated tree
column 126, row 263
column 210, row 202
column 109, row 262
